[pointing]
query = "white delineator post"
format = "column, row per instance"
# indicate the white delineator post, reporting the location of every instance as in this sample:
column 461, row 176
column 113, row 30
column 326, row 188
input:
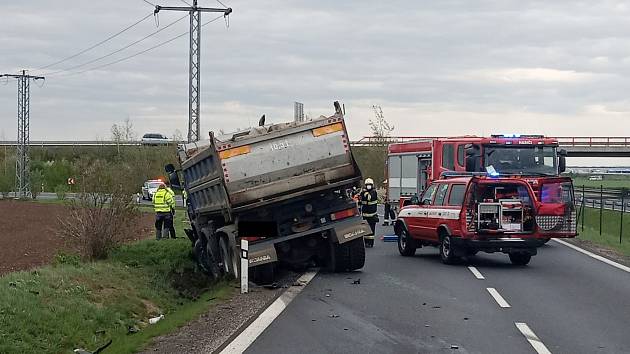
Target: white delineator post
column 244, row 266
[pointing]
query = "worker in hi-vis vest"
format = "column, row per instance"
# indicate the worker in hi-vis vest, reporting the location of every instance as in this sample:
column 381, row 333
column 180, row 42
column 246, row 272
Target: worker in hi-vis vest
column 163, row 204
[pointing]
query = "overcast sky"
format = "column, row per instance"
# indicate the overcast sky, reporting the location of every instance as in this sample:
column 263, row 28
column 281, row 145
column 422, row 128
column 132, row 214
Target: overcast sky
column 435, row 67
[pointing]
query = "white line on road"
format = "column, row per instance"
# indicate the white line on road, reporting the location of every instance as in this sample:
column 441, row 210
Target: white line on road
column 498, row 298
column 596, row 256
column 476, row 273
column 256, row 328
column 531, row 337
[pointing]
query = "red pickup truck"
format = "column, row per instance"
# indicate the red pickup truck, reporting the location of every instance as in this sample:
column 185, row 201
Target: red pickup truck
column 465, row 215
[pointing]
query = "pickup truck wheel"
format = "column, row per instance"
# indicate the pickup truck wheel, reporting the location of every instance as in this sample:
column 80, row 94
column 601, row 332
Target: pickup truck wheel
column 447, row 253
column 520, row 259
column 406, row 245
column 230, row 268
column 347, row 256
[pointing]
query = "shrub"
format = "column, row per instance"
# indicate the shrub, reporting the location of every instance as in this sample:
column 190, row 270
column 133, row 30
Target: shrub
column 102, row 216
column 61, row 191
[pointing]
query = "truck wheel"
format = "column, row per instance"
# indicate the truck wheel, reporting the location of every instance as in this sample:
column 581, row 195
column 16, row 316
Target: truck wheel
column 205, row 260
column 406, row 245
column 447, row 253
column 263, row 274
column 230, row 268
column 520, row 259
column 347, row 256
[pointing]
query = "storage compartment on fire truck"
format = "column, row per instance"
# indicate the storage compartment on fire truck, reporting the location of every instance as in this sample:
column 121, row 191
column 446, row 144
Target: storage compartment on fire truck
column 502, row 208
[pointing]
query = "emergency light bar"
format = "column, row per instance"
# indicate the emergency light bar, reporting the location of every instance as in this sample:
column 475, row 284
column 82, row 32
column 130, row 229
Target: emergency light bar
column 527, row 136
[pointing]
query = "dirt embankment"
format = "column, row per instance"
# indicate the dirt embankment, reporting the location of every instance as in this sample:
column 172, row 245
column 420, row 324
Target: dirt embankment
column 28, row 236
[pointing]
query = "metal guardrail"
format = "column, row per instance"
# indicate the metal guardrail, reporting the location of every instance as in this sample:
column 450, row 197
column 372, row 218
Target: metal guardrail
column 603, row 199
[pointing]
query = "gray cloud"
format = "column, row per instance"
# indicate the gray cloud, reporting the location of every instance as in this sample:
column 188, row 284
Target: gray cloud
column 436, row 67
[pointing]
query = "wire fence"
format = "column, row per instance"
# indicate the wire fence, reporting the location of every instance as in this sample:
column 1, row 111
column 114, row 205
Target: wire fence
column 603, row 209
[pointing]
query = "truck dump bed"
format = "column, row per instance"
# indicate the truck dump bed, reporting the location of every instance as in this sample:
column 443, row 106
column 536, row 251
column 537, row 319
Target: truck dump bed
column 262, row 165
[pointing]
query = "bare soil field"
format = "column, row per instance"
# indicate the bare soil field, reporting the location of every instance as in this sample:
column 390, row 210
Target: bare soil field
column 28, row 237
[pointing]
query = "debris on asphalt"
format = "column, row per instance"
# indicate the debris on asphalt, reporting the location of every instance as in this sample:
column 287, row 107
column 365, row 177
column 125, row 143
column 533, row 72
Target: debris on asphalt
column 313, row 320
column 437, row 307
column 424, row 304
column 132, row 330
column 333, row 316
column 155, row 320
column 358, row 281
column 427, row 326
column 454, row 346
column 271, row 286
column 345, row 329
column 327, row 295
column 465, row 318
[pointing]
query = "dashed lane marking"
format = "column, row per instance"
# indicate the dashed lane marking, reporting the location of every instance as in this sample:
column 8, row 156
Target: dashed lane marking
column 249, row 335
column 531, row 337
column 593, row 255
column 498, row 298
column 476, row 273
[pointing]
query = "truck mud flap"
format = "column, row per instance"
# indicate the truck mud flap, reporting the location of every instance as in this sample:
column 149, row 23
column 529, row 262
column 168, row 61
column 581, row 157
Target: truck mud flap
column 349, row 231
column 262, row 254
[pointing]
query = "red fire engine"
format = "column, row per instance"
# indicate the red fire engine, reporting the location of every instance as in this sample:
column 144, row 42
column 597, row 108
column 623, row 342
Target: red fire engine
column 412, row 165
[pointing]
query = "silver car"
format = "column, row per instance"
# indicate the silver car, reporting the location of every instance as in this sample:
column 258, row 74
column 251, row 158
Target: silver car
column 149, row 188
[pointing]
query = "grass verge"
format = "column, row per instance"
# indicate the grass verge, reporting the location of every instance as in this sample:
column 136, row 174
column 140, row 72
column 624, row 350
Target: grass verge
column 611, row 221
column 72, row 304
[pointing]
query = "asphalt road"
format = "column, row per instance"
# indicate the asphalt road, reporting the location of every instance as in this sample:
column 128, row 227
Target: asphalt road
column 572, row 303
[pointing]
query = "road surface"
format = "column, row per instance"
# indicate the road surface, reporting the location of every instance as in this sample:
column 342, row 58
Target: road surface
column 569, row 301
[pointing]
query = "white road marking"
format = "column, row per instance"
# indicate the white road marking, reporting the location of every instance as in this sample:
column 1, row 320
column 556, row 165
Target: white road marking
column 256, row 328
column 531, row 337
column 476, row 273
column 498, row 298
column 596, row 256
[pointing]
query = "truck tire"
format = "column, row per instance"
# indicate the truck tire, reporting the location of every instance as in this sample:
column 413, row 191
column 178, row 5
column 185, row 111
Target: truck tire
column 263, row 274
column 347, row 256
column 519, row 258
column 205, row 260
column 406, row 245
column 228, row 259
column 447, row 253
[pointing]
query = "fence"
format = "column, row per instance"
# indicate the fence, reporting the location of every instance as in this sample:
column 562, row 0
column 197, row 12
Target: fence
column 607, row 206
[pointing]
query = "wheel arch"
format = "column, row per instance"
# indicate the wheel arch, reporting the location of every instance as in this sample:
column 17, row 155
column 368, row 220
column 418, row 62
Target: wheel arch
column 400, row 225
column 443, row 230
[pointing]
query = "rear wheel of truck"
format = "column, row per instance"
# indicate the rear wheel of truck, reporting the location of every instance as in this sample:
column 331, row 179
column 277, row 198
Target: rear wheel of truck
column 263, row 274
column 229, row 268
column 447, row 253
column 205, row 260
column 347, row 256
column 406, row 245
column 520, row 259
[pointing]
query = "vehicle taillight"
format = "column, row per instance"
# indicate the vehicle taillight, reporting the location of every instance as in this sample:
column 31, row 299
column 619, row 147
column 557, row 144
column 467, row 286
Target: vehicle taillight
column 241, row 150
column 343, row 214
column 328, row 129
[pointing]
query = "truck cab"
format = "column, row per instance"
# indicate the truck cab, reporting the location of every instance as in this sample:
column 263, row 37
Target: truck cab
column 463, row 215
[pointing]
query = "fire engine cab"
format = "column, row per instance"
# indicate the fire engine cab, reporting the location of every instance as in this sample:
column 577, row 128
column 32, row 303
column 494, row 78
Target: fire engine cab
column 464, row 213
column 411, row 166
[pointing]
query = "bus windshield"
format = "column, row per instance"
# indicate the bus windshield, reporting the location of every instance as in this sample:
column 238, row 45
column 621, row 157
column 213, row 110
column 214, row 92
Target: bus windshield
column 523, row 160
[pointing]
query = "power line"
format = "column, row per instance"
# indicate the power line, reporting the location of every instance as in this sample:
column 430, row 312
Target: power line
column 99, row 43
column 141, row 52
column 117, row 50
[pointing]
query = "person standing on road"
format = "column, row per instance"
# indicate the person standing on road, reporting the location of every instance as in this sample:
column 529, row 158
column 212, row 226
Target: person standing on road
column 163, row 203
column 369, row 205
column 171, row 229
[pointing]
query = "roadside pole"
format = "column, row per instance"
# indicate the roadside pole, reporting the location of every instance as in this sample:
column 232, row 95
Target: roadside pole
column 623, row 210
column 583, row 211
column 244, row 266
column 601, row 207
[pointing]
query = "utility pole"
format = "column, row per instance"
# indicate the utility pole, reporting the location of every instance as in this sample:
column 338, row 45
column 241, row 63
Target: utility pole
column 22, row 172
column 194, row 71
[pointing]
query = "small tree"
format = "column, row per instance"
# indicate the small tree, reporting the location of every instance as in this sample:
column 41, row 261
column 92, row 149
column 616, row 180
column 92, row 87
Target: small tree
column 103, row 215
column 381, row 129
column 36, row 179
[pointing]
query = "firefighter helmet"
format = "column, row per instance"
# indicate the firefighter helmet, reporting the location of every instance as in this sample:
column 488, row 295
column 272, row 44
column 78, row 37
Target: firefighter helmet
column 369, row 181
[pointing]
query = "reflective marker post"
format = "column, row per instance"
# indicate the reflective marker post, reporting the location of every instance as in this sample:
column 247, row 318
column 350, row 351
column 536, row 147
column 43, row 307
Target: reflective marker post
column 244, row 266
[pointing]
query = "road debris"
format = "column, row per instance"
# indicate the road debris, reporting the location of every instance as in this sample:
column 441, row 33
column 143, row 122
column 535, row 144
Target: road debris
column 454, row 346
column 358, row 281
column 333, row 316
column 155, row 320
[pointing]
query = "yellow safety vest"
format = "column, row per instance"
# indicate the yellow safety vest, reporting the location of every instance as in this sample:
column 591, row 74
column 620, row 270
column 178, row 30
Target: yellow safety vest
column 163, row 201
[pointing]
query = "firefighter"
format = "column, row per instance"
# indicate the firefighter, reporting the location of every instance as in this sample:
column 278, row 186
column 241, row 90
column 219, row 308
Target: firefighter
column 171, row 229
column 163, row 204
column 369, row 205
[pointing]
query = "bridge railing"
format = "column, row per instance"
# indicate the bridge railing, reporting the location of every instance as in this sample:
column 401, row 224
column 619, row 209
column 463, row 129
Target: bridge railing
column 612, row 141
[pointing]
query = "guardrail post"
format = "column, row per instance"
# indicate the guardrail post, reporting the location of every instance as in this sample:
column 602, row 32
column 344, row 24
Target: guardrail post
column 623, row 208
column 244, row 266
column 601, row 207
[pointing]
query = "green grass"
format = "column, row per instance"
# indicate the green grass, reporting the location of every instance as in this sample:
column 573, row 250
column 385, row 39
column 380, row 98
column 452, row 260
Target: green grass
column 609, row 238
column 73, row 304
column 607, row 182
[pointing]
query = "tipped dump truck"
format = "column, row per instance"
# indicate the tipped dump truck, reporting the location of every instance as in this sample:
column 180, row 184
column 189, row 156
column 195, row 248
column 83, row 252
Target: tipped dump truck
column 286, row 188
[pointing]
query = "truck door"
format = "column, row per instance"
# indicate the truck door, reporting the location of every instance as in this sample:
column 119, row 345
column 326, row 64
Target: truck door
column 436, row 212
column 417, row 219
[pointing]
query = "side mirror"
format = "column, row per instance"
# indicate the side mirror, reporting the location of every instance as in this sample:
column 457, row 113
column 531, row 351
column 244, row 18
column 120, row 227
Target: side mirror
column 173, row 177
column 562, row 164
